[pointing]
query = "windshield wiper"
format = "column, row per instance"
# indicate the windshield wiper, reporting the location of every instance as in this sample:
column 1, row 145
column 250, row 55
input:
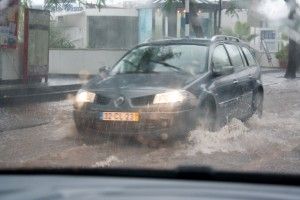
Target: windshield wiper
column 138, row 72
column 178, row 69
column 130, row 62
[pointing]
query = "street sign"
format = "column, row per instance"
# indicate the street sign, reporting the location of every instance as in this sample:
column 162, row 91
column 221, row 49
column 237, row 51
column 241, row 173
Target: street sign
column 269, row 36
column 8, row 23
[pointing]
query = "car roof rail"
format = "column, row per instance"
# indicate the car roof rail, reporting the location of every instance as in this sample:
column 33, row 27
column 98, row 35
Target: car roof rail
column 224, row 38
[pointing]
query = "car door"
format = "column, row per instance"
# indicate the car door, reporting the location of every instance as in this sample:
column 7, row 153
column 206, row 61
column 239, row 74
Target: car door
column 242, row 75
column 253, row 68
column 225, row 87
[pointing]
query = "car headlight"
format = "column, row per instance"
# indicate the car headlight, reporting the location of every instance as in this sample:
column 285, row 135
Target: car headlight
column 84, row 96
column 170, row 97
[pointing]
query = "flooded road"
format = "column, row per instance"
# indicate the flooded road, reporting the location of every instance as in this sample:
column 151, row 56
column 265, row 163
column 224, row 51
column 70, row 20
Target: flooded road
column 44, row 135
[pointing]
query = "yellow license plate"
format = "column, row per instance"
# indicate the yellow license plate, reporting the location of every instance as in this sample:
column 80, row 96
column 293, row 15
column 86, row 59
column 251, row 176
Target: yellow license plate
column 120, row 116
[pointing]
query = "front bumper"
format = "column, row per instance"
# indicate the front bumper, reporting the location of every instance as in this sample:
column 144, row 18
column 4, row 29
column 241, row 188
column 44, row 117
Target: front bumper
column 150, row 123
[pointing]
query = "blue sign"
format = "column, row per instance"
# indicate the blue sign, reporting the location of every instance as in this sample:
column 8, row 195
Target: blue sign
column 268, row 34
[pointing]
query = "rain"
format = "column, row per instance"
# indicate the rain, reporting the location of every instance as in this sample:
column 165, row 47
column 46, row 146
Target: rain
column 48, row 138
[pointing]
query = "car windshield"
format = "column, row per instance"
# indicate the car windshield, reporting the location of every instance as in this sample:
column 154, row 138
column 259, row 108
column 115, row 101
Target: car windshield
column 153, row 84
column 189, row 59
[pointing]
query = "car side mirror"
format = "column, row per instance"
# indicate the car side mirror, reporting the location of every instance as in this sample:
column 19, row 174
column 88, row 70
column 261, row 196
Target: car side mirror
column 225, row 70
column 103, row 71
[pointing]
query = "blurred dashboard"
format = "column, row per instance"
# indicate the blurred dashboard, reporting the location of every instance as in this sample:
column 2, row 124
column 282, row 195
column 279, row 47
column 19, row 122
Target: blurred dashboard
column 88, row 187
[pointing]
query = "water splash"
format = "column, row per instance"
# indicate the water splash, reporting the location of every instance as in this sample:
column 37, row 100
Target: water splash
column 107, row 162
column 251, row 137
column 224, row 140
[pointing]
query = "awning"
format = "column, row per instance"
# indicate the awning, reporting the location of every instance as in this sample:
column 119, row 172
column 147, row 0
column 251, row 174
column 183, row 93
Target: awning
column 194, row 1
column 204, row 4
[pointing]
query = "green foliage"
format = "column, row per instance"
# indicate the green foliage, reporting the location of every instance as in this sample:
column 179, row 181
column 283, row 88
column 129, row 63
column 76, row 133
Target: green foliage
column 53, row 3
column 100, row 3
column 233, row 10
column 58, row 40
column 283, row 54
column 284, row 37
column 240, row 30
column 168, row 5
column 26, row 3
column 229, row 32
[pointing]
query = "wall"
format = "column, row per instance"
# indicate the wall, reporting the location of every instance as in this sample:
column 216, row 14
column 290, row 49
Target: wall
column 129, row 12
column 115, row 32
column 73, row 26
column 76, row 24
column 78, row 61
column 10, row 68
column 229, row 21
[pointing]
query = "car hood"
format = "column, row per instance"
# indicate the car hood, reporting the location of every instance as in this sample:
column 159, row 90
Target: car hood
column 154, row 82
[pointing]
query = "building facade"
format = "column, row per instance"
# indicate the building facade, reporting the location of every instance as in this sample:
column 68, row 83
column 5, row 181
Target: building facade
column 109, row 28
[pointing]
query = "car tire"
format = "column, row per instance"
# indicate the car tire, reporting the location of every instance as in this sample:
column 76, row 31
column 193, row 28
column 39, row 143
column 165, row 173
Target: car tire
column 81, row 126
column 207, row 115
column 257, row 105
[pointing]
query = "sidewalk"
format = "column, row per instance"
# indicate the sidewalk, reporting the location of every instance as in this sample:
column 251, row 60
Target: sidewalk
column 57, row 88
column 272, row 69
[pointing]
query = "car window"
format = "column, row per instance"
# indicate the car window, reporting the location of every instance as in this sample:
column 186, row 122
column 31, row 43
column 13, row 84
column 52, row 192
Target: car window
column 249, row 57
column 220, row 57
column 189, row 59
column 243, row 56
column 234, row 55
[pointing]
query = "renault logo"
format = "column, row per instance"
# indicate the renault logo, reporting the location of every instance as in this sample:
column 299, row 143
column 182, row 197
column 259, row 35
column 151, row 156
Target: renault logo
column 119, row 101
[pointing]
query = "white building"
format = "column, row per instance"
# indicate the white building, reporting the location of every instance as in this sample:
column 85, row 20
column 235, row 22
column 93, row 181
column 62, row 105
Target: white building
column 107, row 28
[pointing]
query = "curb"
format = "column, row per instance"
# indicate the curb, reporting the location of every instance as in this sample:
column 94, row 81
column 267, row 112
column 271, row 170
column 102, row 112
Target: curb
column 271, row 71
column 36, row 94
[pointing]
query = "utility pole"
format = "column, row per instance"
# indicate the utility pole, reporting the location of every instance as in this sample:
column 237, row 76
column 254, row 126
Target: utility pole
column 187, row 18
column 220, row 15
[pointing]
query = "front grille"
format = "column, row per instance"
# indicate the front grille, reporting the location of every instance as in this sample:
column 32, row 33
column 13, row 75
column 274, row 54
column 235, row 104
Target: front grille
column 102, row 100
column 142, row 101
column 107, row 126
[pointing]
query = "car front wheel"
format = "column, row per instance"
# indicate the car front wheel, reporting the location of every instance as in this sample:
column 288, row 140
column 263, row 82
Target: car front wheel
column 208, row 115
column 258, row 104
column 80, row 125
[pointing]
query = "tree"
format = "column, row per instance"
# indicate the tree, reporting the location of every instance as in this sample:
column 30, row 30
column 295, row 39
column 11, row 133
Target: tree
column 240, row 30
column 58, row 40
column 53, row 3
column 233, row 10
column 294, row 47
column 26, row 3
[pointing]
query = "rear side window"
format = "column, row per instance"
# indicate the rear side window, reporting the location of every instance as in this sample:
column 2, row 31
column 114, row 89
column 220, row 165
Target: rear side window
column 220, row 57
column 234, row 55
column 249, row 57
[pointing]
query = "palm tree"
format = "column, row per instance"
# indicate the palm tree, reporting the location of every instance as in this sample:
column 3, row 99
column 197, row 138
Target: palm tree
column 294, row 47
